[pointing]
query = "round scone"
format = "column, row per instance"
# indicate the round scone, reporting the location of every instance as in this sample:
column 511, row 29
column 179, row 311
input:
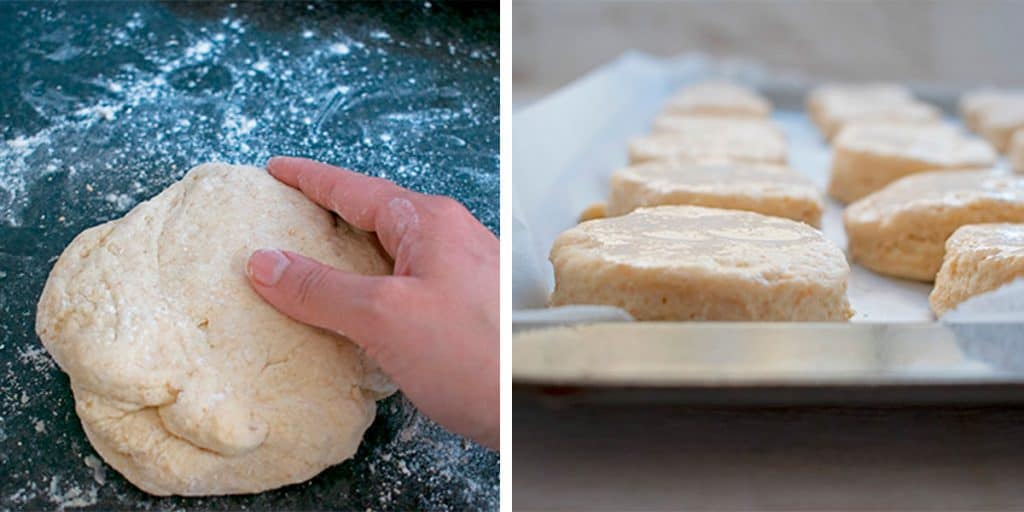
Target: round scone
column 694, row 139
column 901, row 230
column 718, row 98
column 1016, row 153
column 696, row 263
column 979, row 258
column 823, row 98
column 869, row 156
column 976, row 103
column 998, row 123
column 763, row 188
column 833, row 107
column 185, row 380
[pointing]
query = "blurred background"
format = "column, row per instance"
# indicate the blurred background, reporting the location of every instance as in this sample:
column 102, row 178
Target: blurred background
column 954, row 42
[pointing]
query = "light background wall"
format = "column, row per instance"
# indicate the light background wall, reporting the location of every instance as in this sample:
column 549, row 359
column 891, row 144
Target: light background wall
column 954, row 42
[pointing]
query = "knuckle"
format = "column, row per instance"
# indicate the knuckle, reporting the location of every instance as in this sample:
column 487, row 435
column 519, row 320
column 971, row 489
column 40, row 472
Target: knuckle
column 309, row 284
column 448, row 207
column 383, row 297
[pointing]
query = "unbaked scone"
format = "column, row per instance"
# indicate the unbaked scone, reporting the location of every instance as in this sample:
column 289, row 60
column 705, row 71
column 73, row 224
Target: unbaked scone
column 831, row 107
column 979, row 258
column 763, row 188
column 1016, row 153
column 696, row 263
column 693, row 139
column 902, row 229
column 869, row 156
column 822, row 96
column 975, row 104
column 718, row 98
column 185, row 380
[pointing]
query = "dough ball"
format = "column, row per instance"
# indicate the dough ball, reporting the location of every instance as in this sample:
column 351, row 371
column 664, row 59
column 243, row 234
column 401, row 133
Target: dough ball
column 869, row 156
column 718, row 98
column 695, row 263
column 979, row 258
column 763, row 188
column 185, row 380
column 902, row 229
column 693, row 139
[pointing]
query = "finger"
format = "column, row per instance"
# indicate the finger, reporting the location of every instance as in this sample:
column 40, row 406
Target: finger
column 357, row 198
column 411, row 226
column 354, row 305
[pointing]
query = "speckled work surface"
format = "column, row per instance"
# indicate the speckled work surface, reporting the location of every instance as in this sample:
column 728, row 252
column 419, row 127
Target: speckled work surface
column 104, row 105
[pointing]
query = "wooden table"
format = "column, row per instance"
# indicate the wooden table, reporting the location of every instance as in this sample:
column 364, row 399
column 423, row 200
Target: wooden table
column 637, row 457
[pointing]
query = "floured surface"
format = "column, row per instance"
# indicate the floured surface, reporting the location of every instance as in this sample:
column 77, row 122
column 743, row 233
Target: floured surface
column 104, row 105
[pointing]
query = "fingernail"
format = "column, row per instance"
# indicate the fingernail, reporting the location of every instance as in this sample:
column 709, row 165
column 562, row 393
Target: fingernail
column 270, row 164
column 267, row 265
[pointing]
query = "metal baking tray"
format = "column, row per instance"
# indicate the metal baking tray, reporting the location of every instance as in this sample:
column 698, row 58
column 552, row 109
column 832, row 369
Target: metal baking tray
column 894, row 351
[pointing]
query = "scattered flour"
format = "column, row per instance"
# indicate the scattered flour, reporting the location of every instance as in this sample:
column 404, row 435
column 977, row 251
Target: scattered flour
column 199, row 50
column 73, row 497
column 340, row 49
column 168, row 95
column 99, row 470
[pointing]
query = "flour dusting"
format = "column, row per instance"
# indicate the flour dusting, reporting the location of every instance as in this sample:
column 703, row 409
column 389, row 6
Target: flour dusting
column 105, row 104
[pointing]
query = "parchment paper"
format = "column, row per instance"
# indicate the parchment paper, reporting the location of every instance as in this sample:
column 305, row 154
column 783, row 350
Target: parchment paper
column 565, row 147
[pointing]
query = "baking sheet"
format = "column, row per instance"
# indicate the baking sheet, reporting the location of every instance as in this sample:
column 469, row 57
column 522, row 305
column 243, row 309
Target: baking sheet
column 565, row 148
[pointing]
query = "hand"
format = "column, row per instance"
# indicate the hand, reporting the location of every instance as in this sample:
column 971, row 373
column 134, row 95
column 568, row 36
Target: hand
column 433, row 325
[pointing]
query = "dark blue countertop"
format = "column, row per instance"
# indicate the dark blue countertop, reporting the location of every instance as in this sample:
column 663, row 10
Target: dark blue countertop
column 103, row 105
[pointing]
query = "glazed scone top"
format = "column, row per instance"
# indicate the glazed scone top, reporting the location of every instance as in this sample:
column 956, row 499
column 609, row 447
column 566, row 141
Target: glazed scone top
column 1003, row 240
column 940, row 144
column 689, row 239
column 719, row 178
column 937, row 189
column 716, row 95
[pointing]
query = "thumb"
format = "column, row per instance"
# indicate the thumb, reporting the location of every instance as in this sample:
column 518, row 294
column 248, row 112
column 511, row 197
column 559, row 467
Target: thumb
column 353, row 305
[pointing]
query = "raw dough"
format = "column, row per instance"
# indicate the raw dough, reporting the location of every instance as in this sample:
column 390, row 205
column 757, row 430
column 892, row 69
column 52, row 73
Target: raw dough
column 692, row 139
column 979, row 258
column 185, row 380
column 901, row 230
column 833, row 106
column 869, row 156
column 695, row 263
column 718, row 98
column 768, row 189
